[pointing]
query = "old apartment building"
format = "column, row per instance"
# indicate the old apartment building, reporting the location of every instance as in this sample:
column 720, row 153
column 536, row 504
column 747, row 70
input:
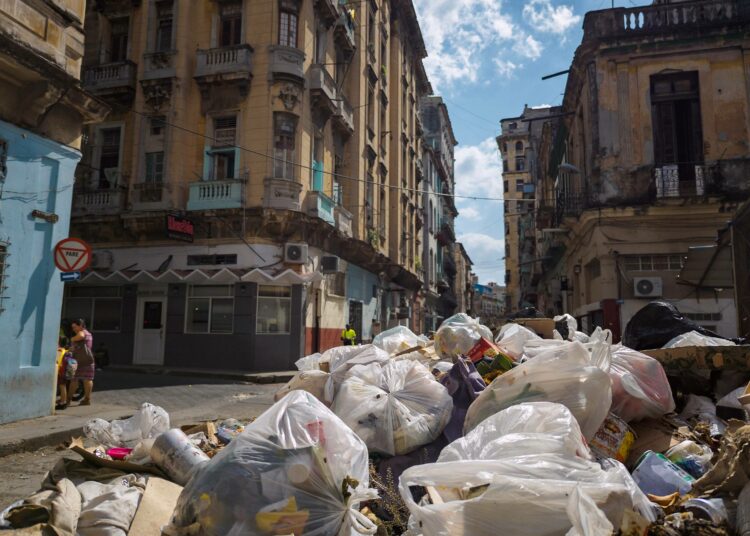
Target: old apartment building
column 650, row 158
column 280, row 139
column 42, row 113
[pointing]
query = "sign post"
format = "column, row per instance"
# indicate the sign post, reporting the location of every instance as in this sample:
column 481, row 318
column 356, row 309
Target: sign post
column 72, row 256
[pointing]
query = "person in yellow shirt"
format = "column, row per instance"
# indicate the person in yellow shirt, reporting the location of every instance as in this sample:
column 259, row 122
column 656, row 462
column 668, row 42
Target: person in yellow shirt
column 348, row 336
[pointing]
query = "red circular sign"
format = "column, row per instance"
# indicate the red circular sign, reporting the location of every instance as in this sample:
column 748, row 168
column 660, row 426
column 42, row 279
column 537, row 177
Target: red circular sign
column 72, row 255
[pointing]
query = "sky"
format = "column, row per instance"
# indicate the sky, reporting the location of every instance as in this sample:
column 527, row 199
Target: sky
column 486, row 59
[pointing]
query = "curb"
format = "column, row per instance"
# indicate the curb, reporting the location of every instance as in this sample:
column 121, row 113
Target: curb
column 250, row 377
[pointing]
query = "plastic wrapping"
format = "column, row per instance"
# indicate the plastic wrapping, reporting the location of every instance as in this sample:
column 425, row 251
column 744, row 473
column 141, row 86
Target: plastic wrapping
column 310, row 362
column 398, row 339
column 691, row 457
column 458, row 334
column 315, row 382
column 694, row 338
column 343, row 358
column 395, row 407
column 566, row 327
column 640, row 389
column 513, row 337
column 524, row 496
column 565, row 375
column 521, row 430
column 656, row 324
column 150, row 421
column 586, row 517
column 296, row 469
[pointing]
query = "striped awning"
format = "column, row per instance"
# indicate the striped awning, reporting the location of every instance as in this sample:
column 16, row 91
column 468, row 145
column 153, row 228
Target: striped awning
column 222, row 276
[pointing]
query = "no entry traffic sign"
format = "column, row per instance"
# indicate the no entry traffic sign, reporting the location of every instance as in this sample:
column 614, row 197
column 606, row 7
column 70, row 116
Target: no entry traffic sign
column 72, row 255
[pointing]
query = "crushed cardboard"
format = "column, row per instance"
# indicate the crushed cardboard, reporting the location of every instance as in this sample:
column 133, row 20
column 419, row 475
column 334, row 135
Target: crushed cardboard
column 76, row 445
column 156, row 507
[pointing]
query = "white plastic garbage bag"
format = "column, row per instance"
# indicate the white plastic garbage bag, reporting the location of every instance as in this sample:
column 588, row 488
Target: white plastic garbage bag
column 526, row 496
column 565, row 374
column 398, row 339
column 458, row 334
column 310, row 362
column 315, row 382
column 525, row 429
column 693, row 338
column 395, row 407
column 570, row 323
column 343, row 360
column 513, row 337
column 150, row 421
column 586, row 517
column 640, row 389
column 297, row 469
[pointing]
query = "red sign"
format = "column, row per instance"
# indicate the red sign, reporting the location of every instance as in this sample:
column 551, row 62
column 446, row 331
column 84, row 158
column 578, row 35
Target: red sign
column 180, row 228
column 72, row 255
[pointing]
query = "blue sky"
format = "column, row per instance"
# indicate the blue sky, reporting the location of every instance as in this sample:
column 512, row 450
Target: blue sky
column 486, row 58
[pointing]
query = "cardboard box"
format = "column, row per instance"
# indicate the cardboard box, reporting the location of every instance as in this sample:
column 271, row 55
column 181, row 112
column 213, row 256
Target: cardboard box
column 691, row 358
column 541, row 326
column 483, row 348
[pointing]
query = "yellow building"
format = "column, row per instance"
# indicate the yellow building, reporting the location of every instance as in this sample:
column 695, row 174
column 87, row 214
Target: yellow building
column 284, row 134
column 649, row 159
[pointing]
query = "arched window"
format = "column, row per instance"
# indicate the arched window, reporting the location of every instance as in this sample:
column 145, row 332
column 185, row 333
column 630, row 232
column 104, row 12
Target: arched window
column 288, row 21
column 519, row 146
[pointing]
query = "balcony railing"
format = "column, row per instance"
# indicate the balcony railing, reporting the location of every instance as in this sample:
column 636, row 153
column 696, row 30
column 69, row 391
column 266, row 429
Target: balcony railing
column 233, row 60
column 344, row 32
column 343, row 220
column 99, row 202
column 219, row 194
column 323, row 88
column 283, row 194
column 111, row 77
column 319, row 205
column 664, row 18
column 344, row 115
column 286, row 63
column 684, row 180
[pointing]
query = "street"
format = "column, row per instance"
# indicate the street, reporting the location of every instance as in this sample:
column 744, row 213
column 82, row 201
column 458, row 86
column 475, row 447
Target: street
column 118, row 394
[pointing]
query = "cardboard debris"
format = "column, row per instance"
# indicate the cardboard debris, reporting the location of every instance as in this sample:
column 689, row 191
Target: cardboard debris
column 544, row 327
column 658, row 435
column 689, row 358
column 207, row 427
column 156, row 507
column 76, row 445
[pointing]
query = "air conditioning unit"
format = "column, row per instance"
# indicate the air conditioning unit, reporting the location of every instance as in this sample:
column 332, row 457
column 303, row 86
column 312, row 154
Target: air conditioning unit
column 647, row 287
column 102, row 260
column 329, row 264
column 295, row 253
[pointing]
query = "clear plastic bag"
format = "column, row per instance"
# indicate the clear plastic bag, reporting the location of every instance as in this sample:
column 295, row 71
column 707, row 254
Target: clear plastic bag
column 565, row 374
column 296, row 469
column 458, row 334
column 398, row 339
column 525, row 429
column 693, row 338
column 315, row 382
column 310, row 362
column 343, row 360
column 640, row 389
column 513, row 337
column 523, row 496
column 150, row 421
column 395, row 407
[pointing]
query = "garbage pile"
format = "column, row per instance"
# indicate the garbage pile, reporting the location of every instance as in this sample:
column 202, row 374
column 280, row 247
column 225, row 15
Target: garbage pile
column 539, row 430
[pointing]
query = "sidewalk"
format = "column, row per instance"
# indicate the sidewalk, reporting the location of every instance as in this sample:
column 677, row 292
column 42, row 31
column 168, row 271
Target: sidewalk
column 119, row 393
column 252, row 377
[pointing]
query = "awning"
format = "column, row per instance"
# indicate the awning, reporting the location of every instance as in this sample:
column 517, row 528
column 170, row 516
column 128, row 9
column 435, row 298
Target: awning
column 222, row 276
column 708, row 267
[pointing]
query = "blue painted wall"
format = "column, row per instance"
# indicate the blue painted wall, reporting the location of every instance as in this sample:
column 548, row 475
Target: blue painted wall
column 39, row 177
column 359, row 285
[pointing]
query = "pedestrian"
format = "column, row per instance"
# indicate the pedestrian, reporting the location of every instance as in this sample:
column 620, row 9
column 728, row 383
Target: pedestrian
column 82, row 344
column 65, row 371
column 348, row 336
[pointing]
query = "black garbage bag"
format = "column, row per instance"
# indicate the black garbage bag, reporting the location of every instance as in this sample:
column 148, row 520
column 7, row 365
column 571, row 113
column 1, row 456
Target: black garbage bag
column 656, row 324
column 528, row 312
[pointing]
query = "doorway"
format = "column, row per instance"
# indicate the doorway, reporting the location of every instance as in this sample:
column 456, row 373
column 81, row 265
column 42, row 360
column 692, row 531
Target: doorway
column 149, row 332
column 355, row 318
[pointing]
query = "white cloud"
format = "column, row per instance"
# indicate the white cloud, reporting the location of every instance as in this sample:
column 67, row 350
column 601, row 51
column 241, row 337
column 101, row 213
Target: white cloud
column 506, row 68
column 479, row 170
column 528, row 47
column 544, row 17
column 486, row 253
column 470, row 213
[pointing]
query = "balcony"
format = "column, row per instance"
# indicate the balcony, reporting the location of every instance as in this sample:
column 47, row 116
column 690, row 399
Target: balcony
column 214, row 195
column 449, row 265
column 225, row 65
column 323, row 90
column 286, row 63
column 319, row 205
column 114, row 81
column 343, row 117
column 99, row 202
column 283, row 194
column 150, row 196
column 445, row 235
column 663, row 19
column 328, row 10
column 345, row 33
column 343, row 220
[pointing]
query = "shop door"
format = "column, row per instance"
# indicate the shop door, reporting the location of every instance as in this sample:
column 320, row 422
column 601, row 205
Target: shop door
column 355, row 318
column 149, row 334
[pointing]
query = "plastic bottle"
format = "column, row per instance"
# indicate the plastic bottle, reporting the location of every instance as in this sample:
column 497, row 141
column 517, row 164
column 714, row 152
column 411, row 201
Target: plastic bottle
column 656, row 474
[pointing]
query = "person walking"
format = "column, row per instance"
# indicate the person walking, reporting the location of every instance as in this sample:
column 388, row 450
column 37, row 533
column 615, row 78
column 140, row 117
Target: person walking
column 82, row 343
column 348, row 336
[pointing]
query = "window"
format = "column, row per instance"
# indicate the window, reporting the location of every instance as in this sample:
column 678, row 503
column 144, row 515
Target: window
column 157, row 124
column 225, row 130
column 371, row 109
column 288, row 23
column 285, row 127
column 520, row 163
column 223, row 155
column 369, row 187
column 274, row 309
column 676, row 117
column 118, row 40
column 155, row 167
column 210, row 309
column 336, row 284
column 519, row 185
column 164, row 26
column 519, row 147
column 109, row 157
column 230, row 24
column 650, row 263
column 100, row 307
column 197, row 260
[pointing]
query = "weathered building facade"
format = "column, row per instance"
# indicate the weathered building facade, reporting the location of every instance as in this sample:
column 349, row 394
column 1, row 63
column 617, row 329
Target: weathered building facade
column 284, row 134
column 464, row 284
column 42, row 112
column 649, row 159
